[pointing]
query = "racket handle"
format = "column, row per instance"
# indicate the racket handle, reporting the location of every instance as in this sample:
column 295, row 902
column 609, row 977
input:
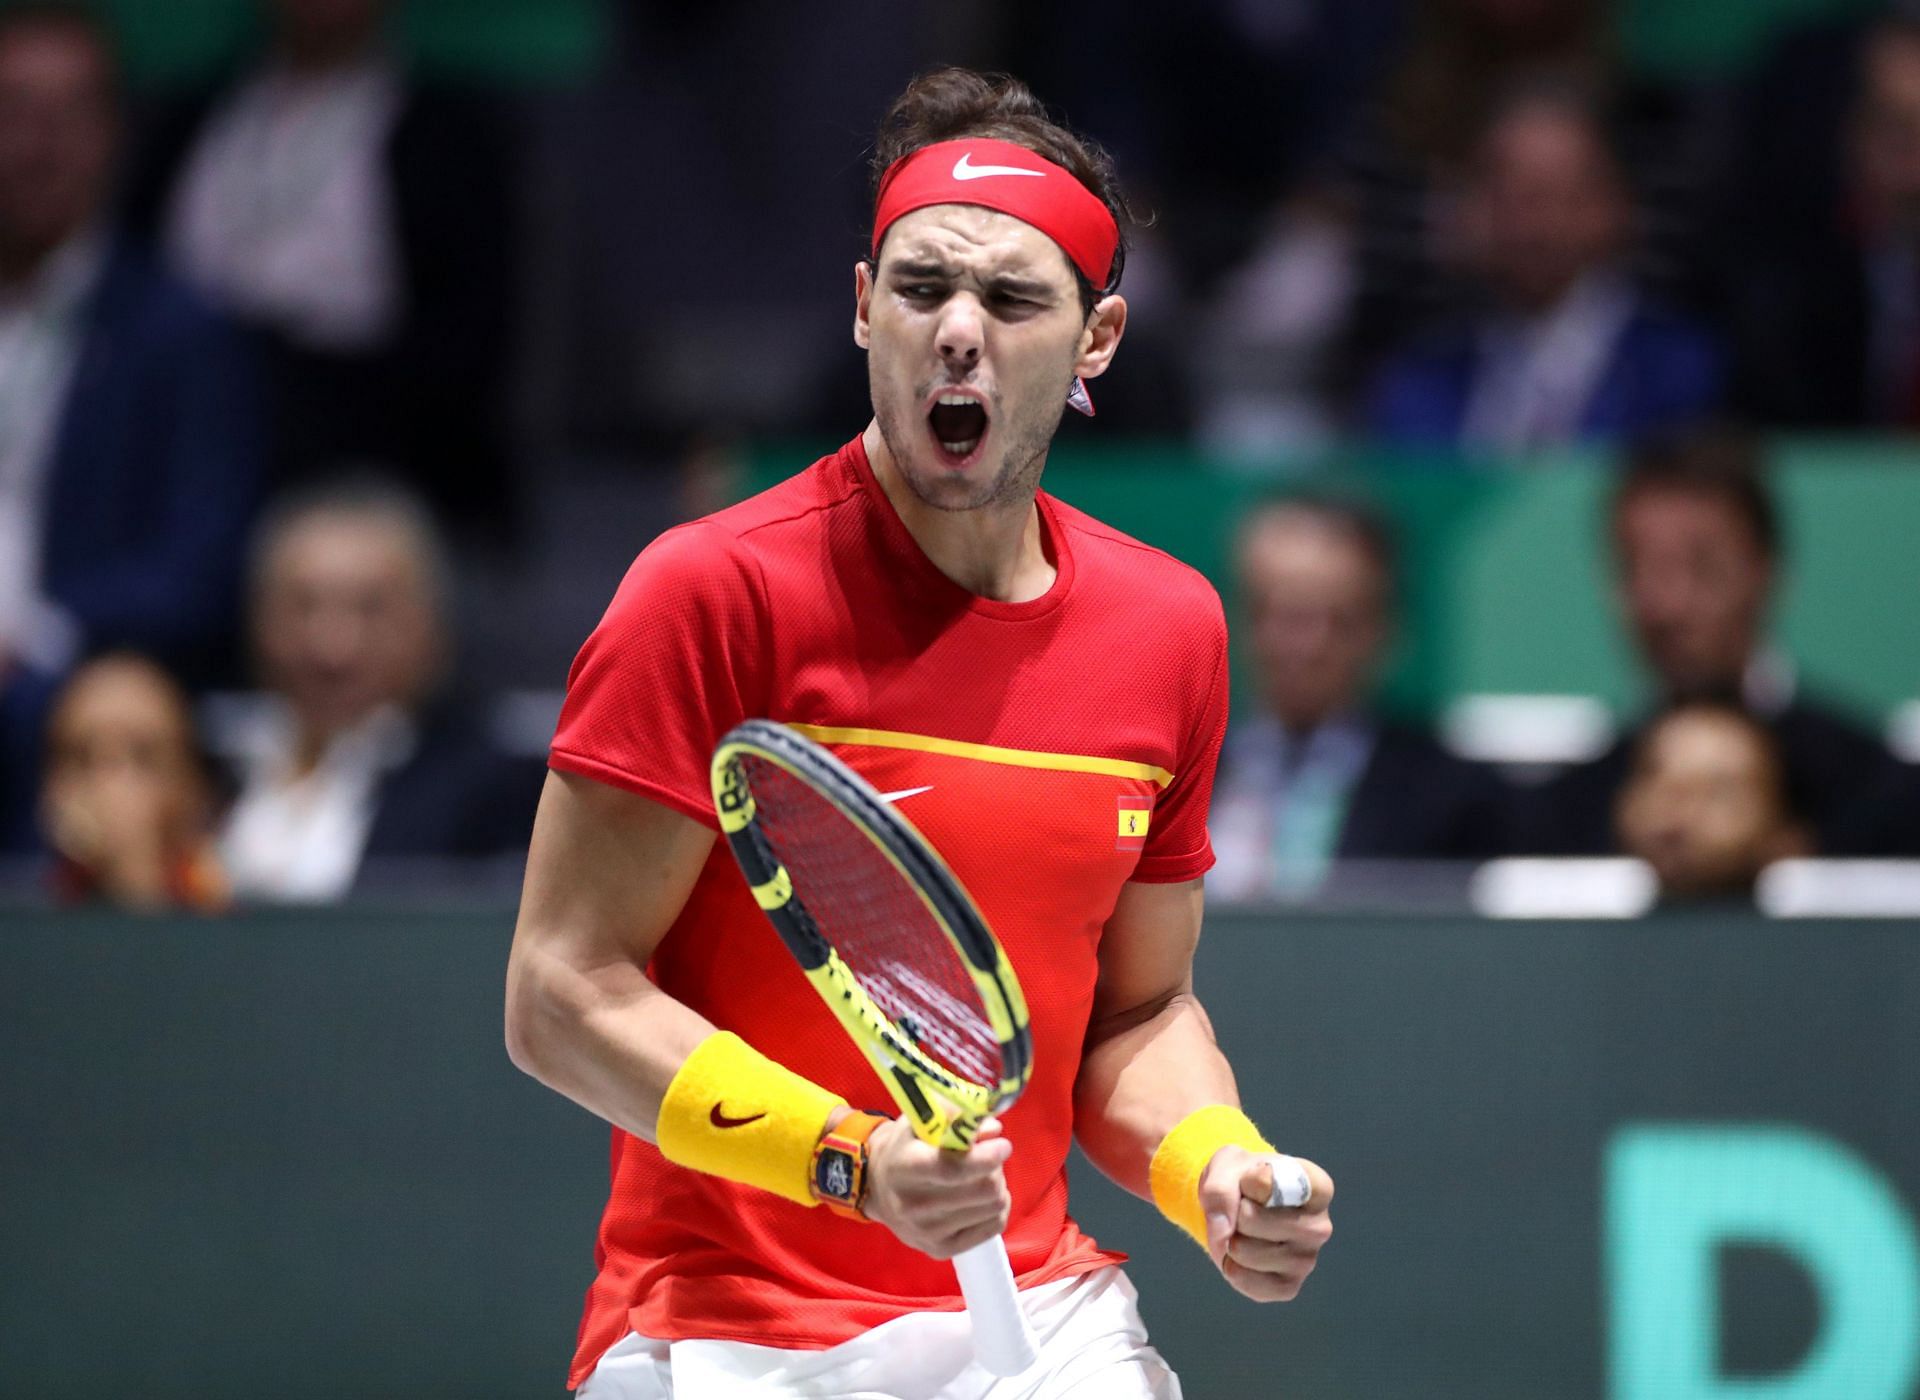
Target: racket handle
column 1002, row 1340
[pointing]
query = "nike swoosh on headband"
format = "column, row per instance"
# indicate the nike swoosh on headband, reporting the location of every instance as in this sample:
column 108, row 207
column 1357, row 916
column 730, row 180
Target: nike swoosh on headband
column 905, row 792
column 963, row 169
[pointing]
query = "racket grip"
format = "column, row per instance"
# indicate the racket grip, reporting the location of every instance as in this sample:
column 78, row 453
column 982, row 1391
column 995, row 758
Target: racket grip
column 1002, row 1340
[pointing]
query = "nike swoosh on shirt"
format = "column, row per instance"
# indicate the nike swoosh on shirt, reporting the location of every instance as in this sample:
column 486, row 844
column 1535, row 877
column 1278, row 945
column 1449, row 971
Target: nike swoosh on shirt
column 905, row 792
column 963, row 169
column 721, row 1120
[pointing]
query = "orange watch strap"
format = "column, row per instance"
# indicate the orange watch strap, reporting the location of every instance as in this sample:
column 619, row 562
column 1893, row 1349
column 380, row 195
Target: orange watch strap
column 848, row 1140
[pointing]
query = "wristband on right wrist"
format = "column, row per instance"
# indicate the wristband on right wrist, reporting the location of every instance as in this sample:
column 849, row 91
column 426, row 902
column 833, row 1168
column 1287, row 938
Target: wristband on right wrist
column 732, row 1112
column 1182, row 1158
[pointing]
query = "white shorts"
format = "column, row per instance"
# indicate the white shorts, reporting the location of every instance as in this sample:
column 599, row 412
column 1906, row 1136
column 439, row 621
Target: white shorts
column 1092, row 1346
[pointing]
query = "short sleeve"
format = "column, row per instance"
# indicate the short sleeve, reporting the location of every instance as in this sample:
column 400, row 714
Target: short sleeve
column 678, row 659
column 1177, row 847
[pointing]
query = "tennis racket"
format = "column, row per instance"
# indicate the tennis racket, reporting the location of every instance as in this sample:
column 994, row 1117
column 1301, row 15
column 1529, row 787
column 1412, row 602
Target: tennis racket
column 896, row 947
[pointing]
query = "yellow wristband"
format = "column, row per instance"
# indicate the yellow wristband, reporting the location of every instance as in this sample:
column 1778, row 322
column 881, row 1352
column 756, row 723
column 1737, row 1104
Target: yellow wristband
column 1183, row 1155
column 732, row 1112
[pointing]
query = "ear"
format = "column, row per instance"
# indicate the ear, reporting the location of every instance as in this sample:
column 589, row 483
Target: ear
column 862, row 303
column 1101, row 337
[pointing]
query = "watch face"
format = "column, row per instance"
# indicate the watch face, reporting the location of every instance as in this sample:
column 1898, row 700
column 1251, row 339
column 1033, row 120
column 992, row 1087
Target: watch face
column 835, row 1176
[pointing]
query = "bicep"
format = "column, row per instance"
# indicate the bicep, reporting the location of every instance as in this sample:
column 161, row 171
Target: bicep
column 607, row 873
column 1147, row 947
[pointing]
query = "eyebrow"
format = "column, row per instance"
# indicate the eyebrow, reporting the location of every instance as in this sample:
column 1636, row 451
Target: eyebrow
column 1005, row 283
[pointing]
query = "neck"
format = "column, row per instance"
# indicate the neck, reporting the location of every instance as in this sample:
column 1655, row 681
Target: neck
column 995, row 551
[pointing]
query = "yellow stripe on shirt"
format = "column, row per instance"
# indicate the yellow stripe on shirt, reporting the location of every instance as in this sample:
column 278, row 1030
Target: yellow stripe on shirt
column 985, row 753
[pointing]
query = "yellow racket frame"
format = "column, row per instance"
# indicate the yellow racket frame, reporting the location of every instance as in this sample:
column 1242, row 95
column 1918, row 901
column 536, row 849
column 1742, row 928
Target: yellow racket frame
column 943, row 1108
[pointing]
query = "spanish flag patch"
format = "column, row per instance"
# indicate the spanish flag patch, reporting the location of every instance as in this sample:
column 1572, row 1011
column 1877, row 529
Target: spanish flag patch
column 1136, row 814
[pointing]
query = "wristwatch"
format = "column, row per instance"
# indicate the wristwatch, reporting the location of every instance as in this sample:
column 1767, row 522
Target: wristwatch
column 839, row 1170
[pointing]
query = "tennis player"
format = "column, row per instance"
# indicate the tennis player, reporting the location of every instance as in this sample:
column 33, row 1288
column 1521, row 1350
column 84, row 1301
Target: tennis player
column 1044, row 699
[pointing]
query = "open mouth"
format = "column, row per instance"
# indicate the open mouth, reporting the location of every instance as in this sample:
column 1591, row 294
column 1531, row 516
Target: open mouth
column 958, row 423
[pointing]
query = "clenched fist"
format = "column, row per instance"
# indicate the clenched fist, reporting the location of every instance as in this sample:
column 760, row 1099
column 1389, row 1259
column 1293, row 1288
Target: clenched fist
column 1265, row 1252
column 938, row 1201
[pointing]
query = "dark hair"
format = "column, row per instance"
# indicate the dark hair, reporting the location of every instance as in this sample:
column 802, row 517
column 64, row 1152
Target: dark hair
column 84, row 20
column 366, row 492
column 1721, row 464
column 1436, row 98
column 1358, row 522
column 952, row 104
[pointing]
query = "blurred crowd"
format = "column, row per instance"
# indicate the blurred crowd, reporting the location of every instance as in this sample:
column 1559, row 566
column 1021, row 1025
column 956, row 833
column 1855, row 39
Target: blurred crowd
column 295, row 366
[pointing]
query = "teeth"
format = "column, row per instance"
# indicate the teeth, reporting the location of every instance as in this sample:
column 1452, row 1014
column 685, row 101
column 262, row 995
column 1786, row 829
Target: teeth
column 961, row 449
column 957, row 400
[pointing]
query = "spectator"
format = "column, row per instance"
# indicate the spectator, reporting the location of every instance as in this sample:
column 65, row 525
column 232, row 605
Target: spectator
column 1696, row 549
column 1559, row 346
column 126, row 801
column 363, row 219
column 357, row 757
column 1827, row 323
column 130, row 428
column 1705, row 802
column 1317, row 775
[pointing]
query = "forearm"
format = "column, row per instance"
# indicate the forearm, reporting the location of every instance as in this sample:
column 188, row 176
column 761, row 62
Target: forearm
column 603, row 1035
column 1139, row 1076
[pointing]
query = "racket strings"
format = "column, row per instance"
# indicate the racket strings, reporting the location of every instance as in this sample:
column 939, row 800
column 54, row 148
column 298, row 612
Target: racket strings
column 877, row 922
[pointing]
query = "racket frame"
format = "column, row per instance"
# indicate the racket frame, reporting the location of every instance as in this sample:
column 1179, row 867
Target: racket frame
column 943, row 1107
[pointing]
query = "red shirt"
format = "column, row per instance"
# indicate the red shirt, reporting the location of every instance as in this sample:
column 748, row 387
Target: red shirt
column 1065, row 746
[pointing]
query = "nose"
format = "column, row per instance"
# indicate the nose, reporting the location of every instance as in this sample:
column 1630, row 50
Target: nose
column 962, row 332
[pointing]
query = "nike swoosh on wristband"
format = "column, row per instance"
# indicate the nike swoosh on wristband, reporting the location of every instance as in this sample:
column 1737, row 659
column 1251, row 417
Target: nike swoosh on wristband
column 905, row 792
column 963, row 169
column 721, row 1120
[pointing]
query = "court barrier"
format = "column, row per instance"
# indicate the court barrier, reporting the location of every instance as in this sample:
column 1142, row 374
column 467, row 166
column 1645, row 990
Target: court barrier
column 1676, row 1159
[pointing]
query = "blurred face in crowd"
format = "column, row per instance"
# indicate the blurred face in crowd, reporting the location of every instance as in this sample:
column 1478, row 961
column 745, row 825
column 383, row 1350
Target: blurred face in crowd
column 1694, row 585
column 1545, row 206
column 58, row 129
column 1705, row 805
column 1316, row 610
column 1885, row 151
column 315, row 33
column 345, row 618
column 980, row 309
column 120, row 743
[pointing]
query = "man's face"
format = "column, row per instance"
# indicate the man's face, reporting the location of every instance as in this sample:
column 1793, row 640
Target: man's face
column 1316, row 613
column 1546, row 208
column 973, row 332
column 344, row 619
column 1693, row 584
column 1703, row 806
column 1885, row 146
column 57, row 134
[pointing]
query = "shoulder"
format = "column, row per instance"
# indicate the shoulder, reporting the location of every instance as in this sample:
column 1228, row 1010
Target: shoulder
column 1412, row 746
column 1415, row 752
column 135, row 292
column 801, row 504
column 1114, row 565
column 727, row 557
column 1811, row 721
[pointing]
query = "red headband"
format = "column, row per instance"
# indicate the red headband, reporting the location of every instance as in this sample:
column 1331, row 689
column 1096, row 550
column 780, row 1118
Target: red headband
column 1014, row 180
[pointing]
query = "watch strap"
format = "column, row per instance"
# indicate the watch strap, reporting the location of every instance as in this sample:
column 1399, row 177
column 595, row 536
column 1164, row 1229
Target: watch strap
column 839, row 1171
